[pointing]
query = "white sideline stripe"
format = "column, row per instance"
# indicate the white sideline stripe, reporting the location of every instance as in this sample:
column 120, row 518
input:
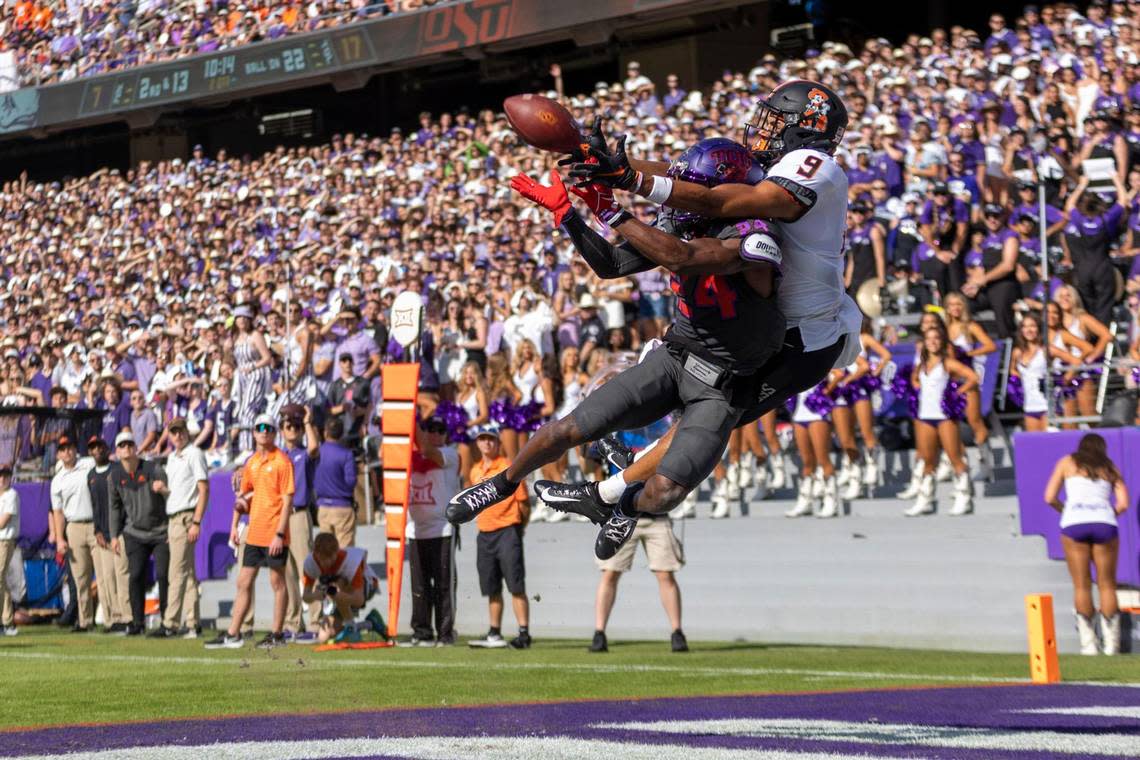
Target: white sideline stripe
column 397, row 406
column 445, row 748
column 395, row 440
column 901, row 734
column 335, row 661
column 1100, row 711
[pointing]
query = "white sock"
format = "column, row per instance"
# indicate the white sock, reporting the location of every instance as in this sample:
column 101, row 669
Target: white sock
column 612, row 488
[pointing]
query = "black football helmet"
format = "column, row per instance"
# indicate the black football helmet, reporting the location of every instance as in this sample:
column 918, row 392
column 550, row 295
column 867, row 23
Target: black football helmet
column 798, row 114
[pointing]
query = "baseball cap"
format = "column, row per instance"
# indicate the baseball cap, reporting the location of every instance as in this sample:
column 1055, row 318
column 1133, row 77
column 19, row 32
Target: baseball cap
column 178, row 423
column 939, row 188
column 124, row 437
column 993, row 209
column 5, row 470
column 66, row 441
column 292, row 412
column 96, row 441
column 490, row 430
column 264, row 419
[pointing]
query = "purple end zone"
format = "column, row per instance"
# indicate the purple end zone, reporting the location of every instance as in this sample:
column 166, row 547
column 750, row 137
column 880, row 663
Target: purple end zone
column 1007, row 712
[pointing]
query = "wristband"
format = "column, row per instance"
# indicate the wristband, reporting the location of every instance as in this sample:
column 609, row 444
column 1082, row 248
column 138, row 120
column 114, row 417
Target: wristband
column 197, row 522
column 281, row 535
column 612, row 218
column 662, row 189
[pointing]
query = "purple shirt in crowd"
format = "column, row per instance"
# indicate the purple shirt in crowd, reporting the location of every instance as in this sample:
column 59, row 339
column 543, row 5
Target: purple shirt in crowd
column 334, row 476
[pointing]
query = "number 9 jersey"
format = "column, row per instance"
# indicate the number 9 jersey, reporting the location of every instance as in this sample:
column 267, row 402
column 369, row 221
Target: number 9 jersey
column 811, row 294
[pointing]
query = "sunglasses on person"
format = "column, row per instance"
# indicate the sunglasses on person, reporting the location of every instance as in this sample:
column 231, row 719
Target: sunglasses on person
column 264, row 428
column 992, row 215
column 125, row 445
column 433, row 427
column 290, row 425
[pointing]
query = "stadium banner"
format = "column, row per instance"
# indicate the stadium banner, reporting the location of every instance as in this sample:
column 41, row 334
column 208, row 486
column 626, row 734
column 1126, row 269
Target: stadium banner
column 404, row 40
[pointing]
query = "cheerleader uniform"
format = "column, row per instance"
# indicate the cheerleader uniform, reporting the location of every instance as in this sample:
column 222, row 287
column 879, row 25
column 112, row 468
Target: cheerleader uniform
column 571, row 397
column 531, row 394
column 1088, row 516
column 978, row 363
column 802, row 416
column 302, row 388
column 931, row 389
column 470, row 406
column 1032, row 374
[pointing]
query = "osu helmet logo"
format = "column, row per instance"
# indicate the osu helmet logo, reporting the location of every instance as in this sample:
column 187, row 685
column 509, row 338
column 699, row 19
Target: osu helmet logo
column 815, row 115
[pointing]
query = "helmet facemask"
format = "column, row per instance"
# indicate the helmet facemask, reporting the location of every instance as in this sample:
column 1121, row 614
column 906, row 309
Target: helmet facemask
column 764, row 132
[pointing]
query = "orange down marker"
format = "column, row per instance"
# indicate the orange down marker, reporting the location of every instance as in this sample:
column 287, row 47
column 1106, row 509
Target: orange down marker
column 398, row 428
column 1043, row 664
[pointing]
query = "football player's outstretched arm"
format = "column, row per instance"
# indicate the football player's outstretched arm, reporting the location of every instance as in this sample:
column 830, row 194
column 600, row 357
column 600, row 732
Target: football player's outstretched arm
column 608, row 261
column 766, row 200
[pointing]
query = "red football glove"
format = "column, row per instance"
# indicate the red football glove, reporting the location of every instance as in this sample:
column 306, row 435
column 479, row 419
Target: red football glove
column 601, row 201
column 553, row 198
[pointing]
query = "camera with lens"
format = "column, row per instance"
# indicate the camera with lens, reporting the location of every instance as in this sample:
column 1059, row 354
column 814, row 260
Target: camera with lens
column 328, row 583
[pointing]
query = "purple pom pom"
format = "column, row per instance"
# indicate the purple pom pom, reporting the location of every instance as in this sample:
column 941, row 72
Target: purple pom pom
column 1015, row 391
column 1136, row 375
column 902, row 389
column 1065, row 389
column 455, row 417
column 953, row 402
column 819, row 402
column 872, row 383
column 498, row 411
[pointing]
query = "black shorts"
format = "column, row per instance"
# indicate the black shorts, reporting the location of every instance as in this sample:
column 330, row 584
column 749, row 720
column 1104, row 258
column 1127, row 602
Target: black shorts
column 790, row 371
column 641, row 395
column 499, row 557
column 258, row 556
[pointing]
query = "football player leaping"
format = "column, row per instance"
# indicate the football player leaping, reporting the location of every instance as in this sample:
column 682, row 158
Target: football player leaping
column 794, row 132
column 727, row 328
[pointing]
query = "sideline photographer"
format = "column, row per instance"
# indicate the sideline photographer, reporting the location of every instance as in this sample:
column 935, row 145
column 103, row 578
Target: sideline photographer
column 341, row 580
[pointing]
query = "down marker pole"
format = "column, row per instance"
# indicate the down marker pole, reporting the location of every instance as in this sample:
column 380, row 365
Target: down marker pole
column 1043, row 664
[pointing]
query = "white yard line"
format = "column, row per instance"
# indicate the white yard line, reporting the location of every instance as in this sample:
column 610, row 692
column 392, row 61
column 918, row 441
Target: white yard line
column 331, row 660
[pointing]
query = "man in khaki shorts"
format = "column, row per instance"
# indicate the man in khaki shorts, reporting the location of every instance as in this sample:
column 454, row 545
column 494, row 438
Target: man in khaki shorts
column 666, row 556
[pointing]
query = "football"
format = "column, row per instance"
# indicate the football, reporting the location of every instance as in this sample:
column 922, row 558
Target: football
column 241, row 505
column 542, row 123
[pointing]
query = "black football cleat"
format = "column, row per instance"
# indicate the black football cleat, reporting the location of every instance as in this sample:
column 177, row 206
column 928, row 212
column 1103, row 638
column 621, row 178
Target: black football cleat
column 619, row 528
column 615, row 452
column 576, row 498
column 466, row 505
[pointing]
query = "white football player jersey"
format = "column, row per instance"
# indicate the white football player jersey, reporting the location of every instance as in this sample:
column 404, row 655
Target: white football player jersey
column 811, row 294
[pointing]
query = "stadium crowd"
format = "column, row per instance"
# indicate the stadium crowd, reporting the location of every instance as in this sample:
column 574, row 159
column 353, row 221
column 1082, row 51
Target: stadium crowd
column 216, row 288
column 46, row 41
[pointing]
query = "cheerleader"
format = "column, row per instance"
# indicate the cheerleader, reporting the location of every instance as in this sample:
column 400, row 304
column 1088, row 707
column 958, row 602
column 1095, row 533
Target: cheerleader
column 878, row 360
column 753, row 460
column 503, row 395
column 572, row 383
column 535, row 392
column 1091, row 330
column 1028, row 366
column 813, row 441
column 1134, row 355
column 1068, row 347
column 973, row 345
column 779, row 475
column 844, row 385
column 472, row 399
column 934, row 428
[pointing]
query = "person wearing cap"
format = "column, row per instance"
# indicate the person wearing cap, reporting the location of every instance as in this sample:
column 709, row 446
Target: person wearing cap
column 499, row 546
column 111, row 568
column 267, row 487
column 991, row 280
column 866, row 248
column 145, row 428
column 431, row 552
column 188, row 480
column 137, row 490
column 301, row 441
column 943, row 223
column 9, row 534
column 591, row 329
column 73, row 526
column 349, row 398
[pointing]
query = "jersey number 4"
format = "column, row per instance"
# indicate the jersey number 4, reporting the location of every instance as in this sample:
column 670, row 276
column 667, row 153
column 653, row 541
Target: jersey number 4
column 711, row 291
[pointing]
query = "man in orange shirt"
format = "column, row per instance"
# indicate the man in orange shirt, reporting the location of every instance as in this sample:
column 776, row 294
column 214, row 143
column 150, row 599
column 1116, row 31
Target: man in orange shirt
column 266, row 492
column 499, row 547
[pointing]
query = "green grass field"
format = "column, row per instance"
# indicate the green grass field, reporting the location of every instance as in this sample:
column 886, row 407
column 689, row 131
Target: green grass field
column 51, row 678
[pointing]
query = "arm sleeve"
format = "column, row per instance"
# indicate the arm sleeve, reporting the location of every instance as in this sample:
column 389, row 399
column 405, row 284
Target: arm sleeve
column 350, row 471
column 607, row 260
